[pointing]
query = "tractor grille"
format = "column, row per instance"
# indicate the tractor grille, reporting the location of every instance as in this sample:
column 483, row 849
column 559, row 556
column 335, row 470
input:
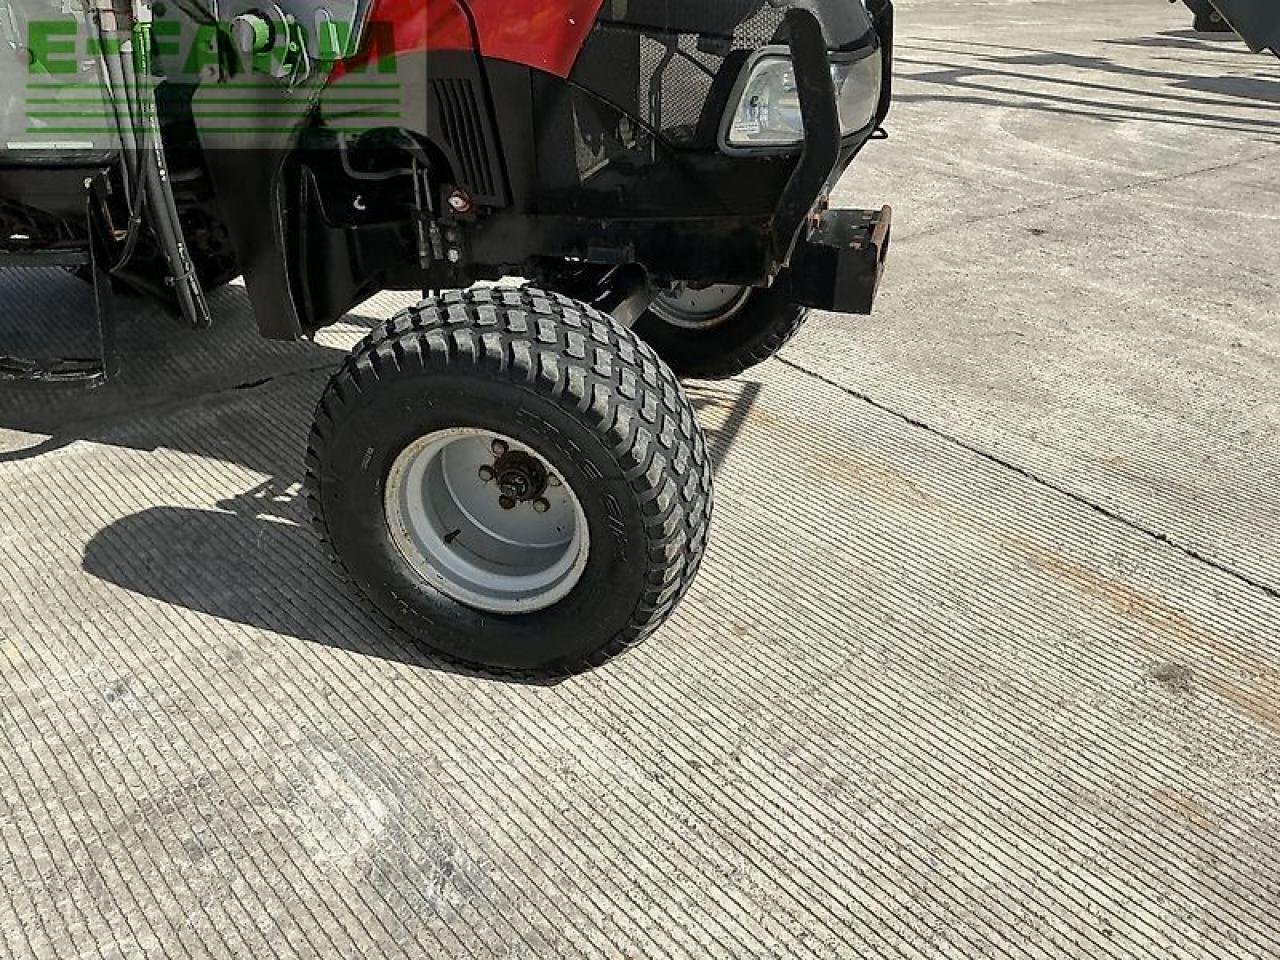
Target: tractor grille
column 761, row 28
column 464, row 133
column 675, row 82
column 682, row 53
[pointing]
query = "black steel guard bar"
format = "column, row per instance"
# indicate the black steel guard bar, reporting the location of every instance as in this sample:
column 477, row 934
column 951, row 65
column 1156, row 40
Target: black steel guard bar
column 821, row 152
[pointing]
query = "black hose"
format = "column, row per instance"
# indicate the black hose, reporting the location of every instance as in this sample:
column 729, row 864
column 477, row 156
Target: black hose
column 114, row 78
column 163, row 209
column 122, row 102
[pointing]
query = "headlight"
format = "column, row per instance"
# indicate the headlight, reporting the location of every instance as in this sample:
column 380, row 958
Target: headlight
column 767, row 114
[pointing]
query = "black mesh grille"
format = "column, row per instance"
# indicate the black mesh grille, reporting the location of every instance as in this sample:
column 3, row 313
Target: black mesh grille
column 707, row 17
column 760, row 29
column 676, row 81
column 688, row 55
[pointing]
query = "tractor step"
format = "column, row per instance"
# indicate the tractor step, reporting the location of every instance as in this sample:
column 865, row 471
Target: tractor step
column 55, row 200
column 67, row 372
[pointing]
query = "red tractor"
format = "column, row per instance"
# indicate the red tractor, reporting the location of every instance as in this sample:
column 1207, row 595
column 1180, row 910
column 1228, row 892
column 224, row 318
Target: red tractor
column 511, row 473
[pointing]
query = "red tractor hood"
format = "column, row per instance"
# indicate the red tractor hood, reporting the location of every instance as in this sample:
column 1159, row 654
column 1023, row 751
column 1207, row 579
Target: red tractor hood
column 544, row 34
column 548, row 35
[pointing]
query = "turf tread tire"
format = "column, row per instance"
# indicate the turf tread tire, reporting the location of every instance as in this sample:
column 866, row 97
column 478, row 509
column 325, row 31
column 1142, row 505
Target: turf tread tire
column 591, row 367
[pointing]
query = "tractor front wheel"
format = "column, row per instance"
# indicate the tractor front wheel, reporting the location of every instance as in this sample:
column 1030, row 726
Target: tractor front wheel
column 513, row 478
column 719, row 331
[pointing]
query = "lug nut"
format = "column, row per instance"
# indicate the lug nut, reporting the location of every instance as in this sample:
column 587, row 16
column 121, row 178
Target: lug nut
column 499, row 447
column 486, row 473
column 553, row 481
column 541, row 506
column 507, row 503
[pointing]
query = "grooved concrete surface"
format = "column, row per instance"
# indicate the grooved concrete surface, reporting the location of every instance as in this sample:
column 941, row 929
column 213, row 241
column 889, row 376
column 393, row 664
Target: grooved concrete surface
column 984, row 660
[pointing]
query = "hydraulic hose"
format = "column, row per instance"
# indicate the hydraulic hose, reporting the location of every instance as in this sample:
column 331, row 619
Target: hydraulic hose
column 164, row 219
column 134, row 183
column 128, row 67
column 107, row 27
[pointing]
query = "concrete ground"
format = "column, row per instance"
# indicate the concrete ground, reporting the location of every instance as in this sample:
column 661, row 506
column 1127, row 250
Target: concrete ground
column 984, row 661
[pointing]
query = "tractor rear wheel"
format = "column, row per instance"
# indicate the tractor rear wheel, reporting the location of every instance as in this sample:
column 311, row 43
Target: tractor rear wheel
column 513, row 478
column 720, row 331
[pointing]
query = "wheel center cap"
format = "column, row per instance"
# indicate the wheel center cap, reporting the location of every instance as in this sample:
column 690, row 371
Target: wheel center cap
column 520, row 476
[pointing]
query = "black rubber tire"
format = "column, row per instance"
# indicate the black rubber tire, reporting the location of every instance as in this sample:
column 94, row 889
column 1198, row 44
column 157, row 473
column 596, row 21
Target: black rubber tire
column 764, row 325
column 579, row 389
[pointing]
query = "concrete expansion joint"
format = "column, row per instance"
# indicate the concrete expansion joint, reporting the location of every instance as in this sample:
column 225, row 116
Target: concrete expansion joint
column 1098, row 508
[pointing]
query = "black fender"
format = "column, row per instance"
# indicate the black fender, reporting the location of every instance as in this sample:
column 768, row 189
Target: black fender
column 296, row 220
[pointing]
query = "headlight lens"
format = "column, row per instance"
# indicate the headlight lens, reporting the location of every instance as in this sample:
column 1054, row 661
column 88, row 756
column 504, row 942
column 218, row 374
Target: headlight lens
column 768, row 112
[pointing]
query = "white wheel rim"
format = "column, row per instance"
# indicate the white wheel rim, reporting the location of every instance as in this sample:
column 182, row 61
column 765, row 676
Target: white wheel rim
column 450, row 525
column 701, row 308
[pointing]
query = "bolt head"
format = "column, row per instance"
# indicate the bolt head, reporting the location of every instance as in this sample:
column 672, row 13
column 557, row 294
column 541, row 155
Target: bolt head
column 499, row 447
column 507, row 503
column 541, row 506
column 486, row 473
column 460, row 202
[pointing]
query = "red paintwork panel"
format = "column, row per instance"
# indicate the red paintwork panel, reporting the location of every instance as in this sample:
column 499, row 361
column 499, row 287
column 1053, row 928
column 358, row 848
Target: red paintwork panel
column 545, row 34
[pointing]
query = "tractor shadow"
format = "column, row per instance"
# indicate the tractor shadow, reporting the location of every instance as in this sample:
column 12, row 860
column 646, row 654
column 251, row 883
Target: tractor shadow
column 163, row 366
column 226, row 402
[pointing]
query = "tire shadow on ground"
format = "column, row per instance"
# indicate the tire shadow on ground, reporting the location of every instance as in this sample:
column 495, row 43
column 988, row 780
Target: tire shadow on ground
column 256, row 562
column 254, row 559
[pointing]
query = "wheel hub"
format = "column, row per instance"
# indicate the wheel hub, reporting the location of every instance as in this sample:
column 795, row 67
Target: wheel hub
column 701, row 308
column 521, row 478
column 487, row 521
